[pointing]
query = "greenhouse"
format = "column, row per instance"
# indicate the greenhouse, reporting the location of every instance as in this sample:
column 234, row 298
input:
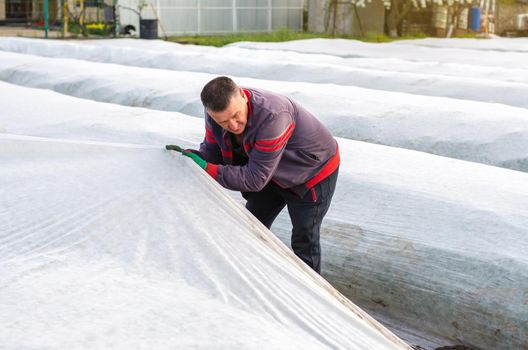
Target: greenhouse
column 177, row 17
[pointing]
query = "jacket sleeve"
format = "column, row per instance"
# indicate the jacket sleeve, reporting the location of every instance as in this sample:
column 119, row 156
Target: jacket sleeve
column 264, row 157
column 209, row 149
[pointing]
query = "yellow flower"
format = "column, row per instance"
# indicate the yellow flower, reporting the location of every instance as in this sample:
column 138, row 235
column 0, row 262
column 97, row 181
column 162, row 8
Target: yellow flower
column 99, row 26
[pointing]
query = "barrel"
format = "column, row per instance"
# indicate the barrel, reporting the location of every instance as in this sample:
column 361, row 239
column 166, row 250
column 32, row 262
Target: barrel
column 474, row 19
column 148, row 28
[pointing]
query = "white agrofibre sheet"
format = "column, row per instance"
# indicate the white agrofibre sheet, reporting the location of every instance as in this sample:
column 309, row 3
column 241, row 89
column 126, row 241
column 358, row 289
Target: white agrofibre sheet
column 432, row 243
column 274, row 64
column 497, row 44
column 482, row 132
column 511, row 53
column 105, row 246
column 401, row 60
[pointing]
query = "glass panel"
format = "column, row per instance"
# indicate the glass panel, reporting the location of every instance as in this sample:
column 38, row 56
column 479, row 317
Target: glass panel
column 252, row 3
column 287, row 3
column 287, row 18
column 177, row 21
column 217, row 3
column 179, row 3
column 217, row 21
column 252, row 20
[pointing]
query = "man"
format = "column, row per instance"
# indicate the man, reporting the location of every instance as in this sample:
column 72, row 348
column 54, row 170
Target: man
column 273, row 151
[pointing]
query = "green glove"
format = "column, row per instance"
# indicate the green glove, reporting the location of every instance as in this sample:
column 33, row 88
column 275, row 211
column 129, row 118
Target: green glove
column 197, row 159
column 174, row 148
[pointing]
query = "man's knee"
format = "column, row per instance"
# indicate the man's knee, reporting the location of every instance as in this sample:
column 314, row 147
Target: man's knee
column 310, row 254
column 305, row 242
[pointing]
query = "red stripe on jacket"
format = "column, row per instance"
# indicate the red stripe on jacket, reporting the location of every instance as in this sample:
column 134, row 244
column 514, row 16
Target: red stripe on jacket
column 327, row 170
column 227, row 154
column 209, row 136
column 277, row 143
column 208, row 139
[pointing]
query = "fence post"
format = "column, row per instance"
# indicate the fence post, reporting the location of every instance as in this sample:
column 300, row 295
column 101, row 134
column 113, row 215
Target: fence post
column 65, row 18
column 199, row 14
column 270, row 21
column 46, row 19
column 158, row 17
column 302, row 17
column 235, row 24
column 81, row 18
column 62, row 17
column 116, row 20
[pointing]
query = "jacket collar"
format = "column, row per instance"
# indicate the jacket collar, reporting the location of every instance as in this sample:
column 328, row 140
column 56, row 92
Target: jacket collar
column 250, row 108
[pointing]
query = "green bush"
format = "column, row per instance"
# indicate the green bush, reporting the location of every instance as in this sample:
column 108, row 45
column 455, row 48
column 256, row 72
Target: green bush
column 101, row 29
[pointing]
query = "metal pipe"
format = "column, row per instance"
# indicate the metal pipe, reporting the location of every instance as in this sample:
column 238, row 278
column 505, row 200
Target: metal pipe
column 46, row 19
column 234, row 13
column 270, row 16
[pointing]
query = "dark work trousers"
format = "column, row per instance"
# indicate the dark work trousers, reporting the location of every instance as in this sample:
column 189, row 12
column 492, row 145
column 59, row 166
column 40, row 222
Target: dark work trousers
column 306, row 214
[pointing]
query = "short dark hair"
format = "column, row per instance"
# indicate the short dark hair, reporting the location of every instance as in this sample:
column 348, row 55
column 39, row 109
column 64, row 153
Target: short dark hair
column 217, row 93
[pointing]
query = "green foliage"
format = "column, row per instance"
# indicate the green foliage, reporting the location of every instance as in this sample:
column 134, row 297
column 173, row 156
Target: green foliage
column 100, row 29
column 74, row 28
column 279, row 35
column 468, row 36
column 282, row 34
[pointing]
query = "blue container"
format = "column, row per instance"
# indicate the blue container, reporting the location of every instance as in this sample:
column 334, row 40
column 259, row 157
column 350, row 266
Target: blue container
column 474, row 19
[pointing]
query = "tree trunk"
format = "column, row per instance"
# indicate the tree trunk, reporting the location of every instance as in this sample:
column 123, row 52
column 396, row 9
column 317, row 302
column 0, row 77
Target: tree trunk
column 392, row 19
column 399, row 9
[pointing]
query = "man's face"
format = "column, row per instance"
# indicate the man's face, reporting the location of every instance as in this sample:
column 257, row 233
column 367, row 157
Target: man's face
column 234, row 117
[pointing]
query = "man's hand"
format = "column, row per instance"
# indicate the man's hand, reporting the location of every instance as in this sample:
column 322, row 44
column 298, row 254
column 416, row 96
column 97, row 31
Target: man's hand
column 211, row 169
column 197, row 159
column 174, row 148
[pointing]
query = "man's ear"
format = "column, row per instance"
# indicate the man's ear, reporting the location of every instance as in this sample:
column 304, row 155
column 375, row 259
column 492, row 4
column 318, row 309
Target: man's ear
column 243, row 95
